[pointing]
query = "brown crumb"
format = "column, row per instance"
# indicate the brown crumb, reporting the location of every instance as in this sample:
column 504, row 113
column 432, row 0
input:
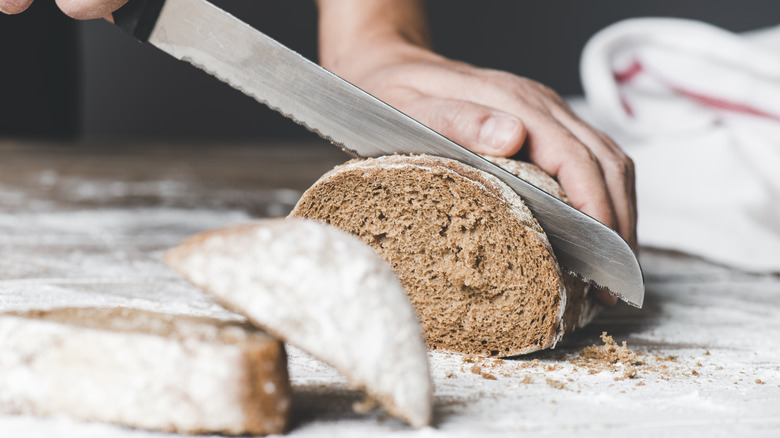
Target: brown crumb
column 629, row 372
column 760, row 382
column 609, row 357
column 364, row 406
column 610, row 352
column 480, row 365
column 470, row 358
column 555, row 384
column 694, row 373
column 532, row 364
column 527, row 379
column 625, row 363
column 706, row 352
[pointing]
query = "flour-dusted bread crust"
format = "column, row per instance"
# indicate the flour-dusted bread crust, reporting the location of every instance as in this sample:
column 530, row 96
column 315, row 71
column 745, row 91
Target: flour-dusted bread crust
column 145, row 370
column 473, row 260
column 324, row 291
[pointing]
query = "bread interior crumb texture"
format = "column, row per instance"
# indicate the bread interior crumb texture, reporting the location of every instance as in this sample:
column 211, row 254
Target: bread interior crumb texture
column 462, row 255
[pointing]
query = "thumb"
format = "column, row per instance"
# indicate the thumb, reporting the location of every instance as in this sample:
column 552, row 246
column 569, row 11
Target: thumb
column 14, row 6
column 478, row 128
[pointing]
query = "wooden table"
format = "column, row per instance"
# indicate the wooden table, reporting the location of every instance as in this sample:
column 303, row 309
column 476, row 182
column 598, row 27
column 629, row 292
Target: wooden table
column 85, row 225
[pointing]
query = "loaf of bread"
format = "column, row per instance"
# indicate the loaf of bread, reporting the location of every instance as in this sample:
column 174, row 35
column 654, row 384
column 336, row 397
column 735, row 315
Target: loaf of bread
column 144, row 370
column 327, row 293
column 476, row 265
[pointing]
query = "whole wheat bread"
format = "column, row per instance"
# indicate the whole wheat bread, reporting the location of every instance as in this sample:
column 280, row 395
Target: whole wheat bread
column 476, row 265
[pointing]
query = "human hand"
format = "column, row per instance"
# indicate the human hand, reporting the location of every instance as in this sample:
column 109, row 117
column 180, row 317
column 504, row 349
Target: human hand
column 486, row 111
column 78, row 9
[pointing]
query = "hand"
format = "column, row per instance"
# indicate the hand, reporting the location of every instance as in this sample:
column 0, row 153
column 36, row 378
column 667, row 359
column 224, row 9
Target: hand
column 78, row 9
column 382, row 47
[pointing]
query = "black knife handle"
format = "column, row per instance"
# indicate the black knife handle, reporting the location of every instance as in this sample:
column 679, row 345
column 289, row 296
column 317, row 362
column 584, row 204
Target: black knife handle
column 138, row 17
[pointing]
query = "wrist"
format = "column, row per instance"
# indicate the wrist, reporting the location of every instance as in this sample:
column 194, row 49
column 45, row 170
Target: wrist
column 352, row 32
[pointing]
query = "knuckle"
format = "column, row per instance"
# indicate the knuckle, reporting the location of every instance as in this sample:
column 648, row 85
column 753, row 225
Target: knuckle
column 583, row 153
column 447, row 118
column 620, row 165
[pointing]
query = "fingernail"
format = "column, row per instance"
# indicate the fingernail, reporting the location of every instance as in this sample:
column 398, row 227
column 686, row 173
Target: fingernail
column 498, row 132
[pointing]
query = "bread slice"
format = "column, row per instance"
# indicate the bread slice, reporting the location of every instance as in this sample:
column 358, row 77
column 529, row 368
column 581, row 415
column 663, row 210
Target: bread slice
column 476, row 265
column 327, row 293
column 145, row 370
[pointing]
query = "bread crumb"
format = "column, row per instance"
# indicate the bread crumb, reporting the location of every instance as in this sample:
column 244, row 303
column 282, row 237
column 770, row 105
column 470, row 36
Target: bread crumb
column 479, row 365
column 760, row 382
column 527, row 379
column 364, row 406
column 629, row 372
column 532, row 364
column 609, row 357
column 610, row 352
column 470, row 358
column 555, row 384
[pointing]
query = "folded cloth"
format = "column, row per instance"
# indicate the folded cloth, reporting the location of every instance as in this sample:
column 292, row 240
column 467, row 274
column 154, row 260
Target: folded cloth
column 698, row 109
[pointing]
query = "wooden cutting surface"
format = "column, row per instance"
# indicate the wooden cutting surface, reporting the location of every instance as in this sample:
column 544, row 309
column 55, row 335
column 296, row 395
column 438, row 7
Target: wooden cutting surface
column 85, row 225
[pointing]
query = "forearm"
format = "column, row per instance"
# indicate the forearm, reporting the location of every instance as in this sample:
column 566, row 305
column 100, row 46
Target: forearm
column 350, row 26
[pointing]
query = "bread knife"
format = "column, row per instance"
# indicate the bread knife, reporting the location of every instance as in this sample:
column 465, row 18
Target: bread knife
column 215, row 41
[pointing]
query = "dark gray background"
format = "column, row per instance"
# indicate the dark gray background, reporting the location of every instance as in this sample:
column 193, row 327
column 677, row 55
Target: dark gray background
column 90, row 81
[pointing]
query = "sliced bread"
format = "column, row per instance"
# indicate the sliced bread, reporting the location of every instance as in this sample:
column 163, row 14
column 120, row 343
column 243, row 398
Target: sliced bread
column 476, row 265
column 145, row 370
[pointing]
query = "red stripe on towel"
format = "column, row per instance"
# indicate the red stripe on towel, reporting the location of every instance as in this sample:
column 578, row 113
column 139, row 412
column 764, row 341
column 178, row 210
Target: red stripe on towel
column 629, row 73
column 636, row 67
column 725, row 105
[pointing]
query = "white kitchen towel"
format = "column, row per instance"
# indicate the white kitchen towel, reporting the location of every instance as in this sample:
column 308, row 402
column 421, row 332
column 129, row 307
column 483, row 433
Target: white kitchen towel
column 698, row 109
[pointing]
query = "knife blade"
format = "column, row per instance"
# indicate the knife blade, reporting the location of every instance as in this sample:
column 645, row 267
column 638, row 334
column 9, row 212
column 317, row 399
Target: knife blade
column 215, row 41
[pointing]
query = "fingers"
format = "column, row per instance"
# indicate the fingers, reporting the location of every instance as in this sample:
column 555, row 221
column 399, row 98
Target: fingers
column 476, row 127
column 89, row 9
column 605, row 298
column 617, row 171
column 560, row 153
column 596, row 175
column 14, row 6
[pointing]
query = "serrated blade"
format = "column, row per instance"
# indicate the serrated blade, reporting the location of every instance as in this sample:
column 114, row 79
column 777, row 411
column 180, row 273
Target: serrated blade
column 213, row 40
